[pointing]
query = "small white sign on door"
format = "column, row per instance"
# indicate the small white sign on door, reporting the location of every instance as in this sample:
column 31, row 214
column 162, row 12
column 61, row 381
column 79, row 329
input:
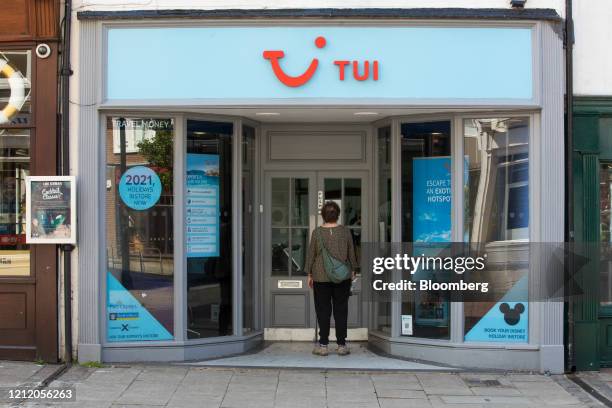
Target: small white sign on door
column 290, row 284
column 406, row 325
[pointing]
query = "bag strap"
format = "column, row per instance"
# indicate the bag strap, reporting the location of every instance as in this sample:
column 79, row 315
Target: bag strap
column 323, row 248
column 320, row 240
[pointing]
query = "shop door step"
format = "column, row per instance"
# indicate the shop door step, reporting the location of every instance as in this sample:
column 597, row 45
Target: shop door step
column 299, row 355
column 290, row 334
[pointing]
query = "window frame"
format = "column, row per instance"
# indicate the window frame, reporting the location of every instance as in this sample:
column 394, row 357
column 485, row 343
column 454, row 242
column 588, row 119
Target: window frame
column 457, row 119
column 180, row 263
column 533, row 120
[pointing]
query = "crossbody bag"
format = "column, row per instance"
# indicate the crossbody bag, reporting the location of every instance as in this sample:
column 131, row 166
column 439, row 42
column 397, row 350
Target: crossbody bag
column 337, row 271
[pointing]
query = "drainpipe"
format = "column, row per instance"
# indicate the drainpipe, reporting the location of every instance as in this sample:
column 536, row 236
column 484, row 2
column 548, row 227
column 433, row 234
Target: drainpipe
column 569, row 174
column 65, row 73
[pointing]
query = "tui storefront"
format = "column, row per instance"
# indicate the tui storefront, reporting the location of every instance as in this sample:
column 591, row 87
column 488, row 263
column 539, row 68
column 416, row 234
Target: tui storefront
column 207, row 145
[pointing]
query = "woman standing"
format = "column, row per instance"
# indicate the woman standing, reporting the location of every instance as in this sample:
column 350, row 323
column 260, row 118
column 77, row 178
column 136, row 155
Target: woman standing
column 336, row 239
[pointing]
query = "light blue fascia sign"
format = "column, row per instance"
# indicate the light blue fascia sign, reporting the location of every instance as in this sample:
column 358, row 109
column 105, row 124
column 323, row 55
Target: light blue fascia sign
column 323, row 63
column 140, row 188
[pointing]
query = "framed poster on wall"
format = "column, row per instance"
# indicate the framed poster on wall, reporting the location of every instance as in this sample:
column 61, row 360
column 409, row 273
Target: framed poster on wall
column 51, row 210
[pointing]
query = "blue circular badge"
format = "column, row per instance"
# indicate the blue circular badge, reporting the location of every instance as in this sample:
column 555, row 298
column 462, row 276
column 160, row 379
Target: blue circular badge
column 140, row 188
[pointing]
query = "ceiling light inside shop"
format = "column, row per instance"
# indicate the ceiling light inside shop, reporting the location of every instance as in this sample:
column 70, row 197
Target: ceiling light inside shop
column 267, row 114
column 365, row 113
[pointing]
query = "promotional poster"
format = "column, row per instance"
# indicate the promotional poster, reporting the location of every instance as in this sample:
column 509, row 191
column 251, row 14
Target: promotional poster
column 51, row 211
column 202, row 218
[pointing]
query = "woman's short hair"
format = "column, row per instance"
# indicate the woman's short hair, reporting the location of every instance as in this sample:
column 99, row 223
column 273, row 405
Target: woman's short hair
column 330, row 211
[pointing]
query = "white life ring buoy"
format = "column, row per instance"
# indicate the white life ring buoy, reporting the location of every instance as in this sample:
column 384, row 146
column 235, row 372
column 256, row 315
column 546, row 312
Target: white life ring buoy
column 17, row 98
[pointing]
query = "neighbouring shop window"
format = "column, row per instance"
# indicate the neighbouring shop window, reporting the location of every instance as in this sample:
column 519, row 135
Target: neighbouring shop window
column 15, row 108
column 15, row 87
column 139, row 229
column 248, row 225
column 497, row 223
column 14, row 168
column 383, row 165
column 426, row 174
column 208, row 223
column 605, row 238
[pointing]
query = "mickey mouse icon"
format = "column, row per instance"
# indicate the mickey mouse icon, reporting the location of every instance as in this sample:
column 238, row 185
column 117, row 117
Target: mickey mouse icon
column 512, row 315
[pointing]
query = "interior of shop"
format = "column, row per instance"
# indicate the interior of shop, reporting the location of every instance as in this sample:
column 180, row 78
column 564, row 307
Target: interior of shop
column 293, row 160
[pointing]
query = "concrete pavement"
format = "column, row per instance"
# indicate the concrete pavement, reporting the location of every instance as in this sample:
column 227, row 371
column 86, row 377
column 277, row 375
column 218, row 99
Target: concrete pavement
column 214, row 387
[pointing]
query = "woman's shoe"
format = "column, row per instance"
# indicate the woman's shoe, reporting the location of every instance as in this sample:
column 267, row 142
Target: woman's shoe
column 320, row 350
column 343, row 350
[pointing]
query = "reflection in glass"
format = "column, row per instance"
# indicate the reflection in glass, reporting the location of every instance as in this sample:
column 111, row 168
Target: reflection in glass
column 289, row 235
column 14, row 168
column 299, row 241
column 605, row 203
column 300, row 202
column 352, row 205
column 140, row 243
column 333, row 192
column 333, row 189
column 497, row 202
column 425, row 153
column 605, row 234
column 248, row 224
column 383, row 231
column 280, row 252
column 384, row 184
column 280, row 201
column 497, row 158
column 209, row 277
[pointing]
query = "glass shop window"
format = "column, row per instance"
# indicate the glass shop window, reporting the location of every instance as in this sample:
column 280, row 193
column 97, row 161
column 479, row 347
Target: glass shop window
column 497, row 223
column 15, row 85
column 208, row 224
column 14, row 168
column 383, row 164
column 290, row 218
column 139, row 229
column 384, row 184
column 248, row 225
column 426, row 219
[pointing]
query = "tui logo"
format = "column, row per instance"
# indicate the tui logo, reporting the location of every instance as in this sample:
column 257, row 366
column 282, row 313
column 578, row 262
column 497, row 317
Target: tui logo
column 274, row 56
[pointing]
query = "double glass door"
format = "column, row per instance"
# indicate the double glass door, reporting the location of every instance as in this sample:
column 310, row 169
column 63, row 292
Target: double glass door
column 294, row 200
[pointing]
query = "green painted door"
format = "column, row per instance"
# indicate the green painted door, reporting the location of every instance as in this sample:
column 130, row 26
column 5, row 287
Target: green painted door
column 592, row 161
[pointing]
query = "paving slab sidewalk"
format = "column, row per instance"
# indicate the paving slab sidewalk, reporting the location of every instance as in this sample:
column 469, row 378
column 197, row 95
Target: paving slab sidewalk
column 600, row 381
column 24, row 374
column 218, row 387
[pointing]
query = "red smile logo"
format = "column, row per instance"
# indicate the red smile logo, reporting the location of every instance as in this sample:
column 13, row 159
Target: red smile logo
column 359, row 74
column 293, row 81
